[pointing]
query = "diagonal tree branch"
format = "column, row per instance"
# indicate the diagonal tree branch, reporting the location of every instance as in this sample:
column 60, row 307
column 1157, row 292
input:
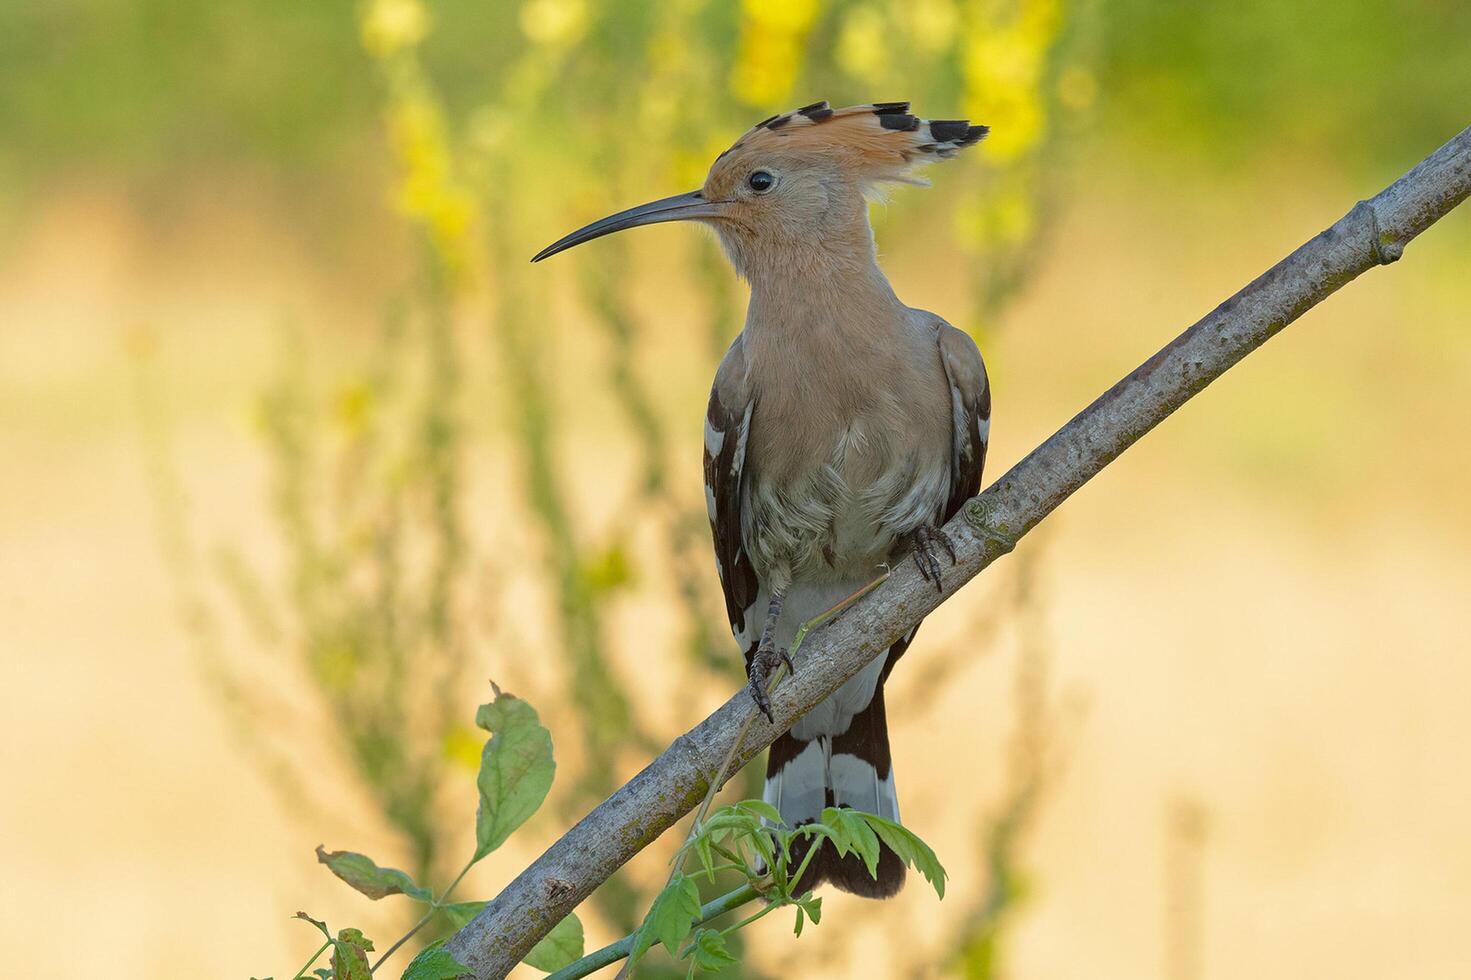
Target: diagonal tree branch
column 1374, row 233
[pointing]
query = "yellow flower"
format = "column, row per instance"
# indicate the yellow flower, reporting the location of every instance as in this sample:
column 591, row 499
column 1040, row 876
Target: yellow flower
column 772, row 35
column 354, row 403
column 389, row 26
column 1004, row 61
column 428, row 189
column 553, row 21
column 863, row 48
column 793, row 16
column 932, row 23
column 462, row 746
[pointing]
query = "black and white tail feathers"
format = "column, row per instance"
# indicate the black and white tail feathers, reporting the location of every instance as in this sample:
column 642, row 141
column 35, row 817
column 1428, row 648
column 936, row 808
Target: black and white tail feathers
column 852, row 769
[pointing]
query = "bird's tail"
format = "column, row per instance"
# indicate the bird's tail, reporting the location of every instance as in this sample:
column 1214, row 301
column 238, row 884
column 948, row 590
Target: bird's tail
column 853, row 769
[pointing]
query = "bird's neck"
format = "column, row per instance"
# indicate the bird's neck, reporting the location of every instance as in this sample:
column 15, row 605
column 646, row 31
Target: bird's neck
column 834, row 290
column 821, row 318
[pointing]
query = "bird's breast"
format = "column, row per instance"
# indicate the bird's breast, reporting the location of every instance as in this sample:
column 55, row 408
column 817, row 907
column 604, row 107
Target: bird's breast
column 849, row 446
column 839, row 509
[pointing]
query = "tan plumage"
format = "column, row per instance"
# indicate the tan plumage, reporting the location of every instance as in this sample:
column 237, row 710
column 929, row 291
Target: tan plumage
column 843, row 427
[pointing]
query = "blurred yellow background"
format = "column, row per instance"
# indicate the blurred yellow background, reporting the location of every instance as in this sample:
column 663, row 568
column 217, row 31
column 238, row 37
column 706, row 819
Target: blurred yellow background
column 299, row 450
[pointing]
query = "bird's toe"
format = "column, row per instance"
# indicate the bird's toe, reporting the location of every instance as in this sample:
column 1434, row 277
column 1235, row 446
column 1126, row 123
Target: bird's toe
column 763, row 667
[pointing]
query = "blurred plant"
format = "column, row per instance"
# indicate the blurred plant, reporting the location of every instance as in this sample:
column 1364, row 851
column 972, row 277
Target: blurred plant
column 373, row 574
column 1012, row 64
column 1186, row 831
column 365, row 489
column 516, row 770
column 366, row 484
column 978, row 947
column 1010, row 67
column 772, row 36
column 430, row 192
column 114, row 84
column 603, row 708
column 249, row 709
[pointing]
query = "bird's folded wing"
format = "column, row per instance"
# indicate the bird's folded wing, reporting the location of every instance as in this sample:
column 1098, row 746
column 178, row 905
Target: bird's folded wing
column 970, row 400
column 727, row 427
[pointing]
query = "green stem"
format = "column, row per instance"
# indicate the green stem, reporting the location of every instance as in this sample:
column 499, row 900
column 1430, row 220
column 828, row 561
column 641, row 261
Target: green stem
column 817, row 842
column 600, row 958
column 434, row 906
column 832, row 613
column 308, row 964
column 768, row 907
column 737, row 859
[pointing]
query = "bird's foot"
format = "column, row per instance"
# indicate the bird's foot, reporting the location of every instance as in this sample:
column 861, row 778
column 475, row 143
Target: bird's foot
column 763, row 665
column 928, row 540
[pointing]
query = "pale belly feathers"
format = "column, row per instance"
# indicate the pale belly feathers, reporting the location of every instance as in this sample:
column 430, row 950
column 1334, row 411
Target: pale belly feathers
column 834, row 530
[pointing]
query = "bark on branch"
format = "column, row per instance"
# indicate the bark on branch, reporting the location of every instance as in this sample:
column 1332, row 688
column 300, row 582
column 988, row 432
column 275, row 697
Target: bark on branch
column 1374, row 233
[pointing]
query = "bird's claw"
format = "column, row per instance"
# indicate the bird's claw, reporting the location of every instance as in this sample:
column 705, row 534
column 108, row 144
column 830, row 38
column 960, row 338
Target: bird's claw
column 926, row 537
column 763, row 665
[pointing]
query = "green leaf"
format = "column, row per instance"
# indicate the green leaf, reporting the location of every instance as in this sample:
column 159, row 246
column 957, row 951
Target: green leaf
column 839, row 837
column 558, row 948
column 670, row 918
column 674, row 916
column 516, row 769
column 707, row 856
column 851, row 831
column 322, row 926
column 460, row 913
column 435, row 962
column 811, row 906
column 359, row 871
column 782, row 839
column 350, row 956
column 761, row 808
column 727, row 821
column 322, row 973
column 762, row 843
column 743, row 821
column 910, row 849
column 710, row 952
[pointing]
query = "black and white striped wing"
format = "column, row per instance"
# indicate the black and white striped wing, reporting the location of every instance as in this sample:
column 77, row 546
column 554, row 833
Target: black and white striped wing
column 970, row 400
column 727, row 427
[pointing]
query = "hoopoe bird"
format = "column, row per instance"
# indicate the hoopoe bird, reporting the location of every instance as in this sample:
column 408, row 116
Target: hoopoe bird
column 844, row 427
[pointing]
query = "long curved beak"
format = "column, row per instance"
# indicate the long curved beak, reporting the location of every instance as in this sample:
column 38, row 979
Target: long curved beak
column 680, row 207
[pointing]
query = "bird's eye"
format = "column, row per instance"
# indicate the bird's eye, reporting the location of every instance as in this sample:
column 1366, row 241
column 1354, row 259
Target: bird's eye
column 761, row 181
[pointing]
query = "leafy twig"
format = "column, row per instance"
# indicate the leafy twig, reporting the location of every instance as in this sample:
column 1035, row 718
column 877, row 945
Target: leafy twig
column 516, row 768
column 614, row 952
column 751, row 836
column 434, row 907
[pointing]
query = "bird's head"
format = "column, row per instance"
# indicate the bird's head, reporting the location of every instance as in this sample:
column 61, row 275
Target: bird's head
column 798, row 181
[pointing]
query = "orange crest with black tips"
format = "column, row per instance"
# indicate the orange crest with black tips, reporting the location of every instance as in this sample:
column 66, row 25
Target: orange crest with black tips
column 879, row 142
